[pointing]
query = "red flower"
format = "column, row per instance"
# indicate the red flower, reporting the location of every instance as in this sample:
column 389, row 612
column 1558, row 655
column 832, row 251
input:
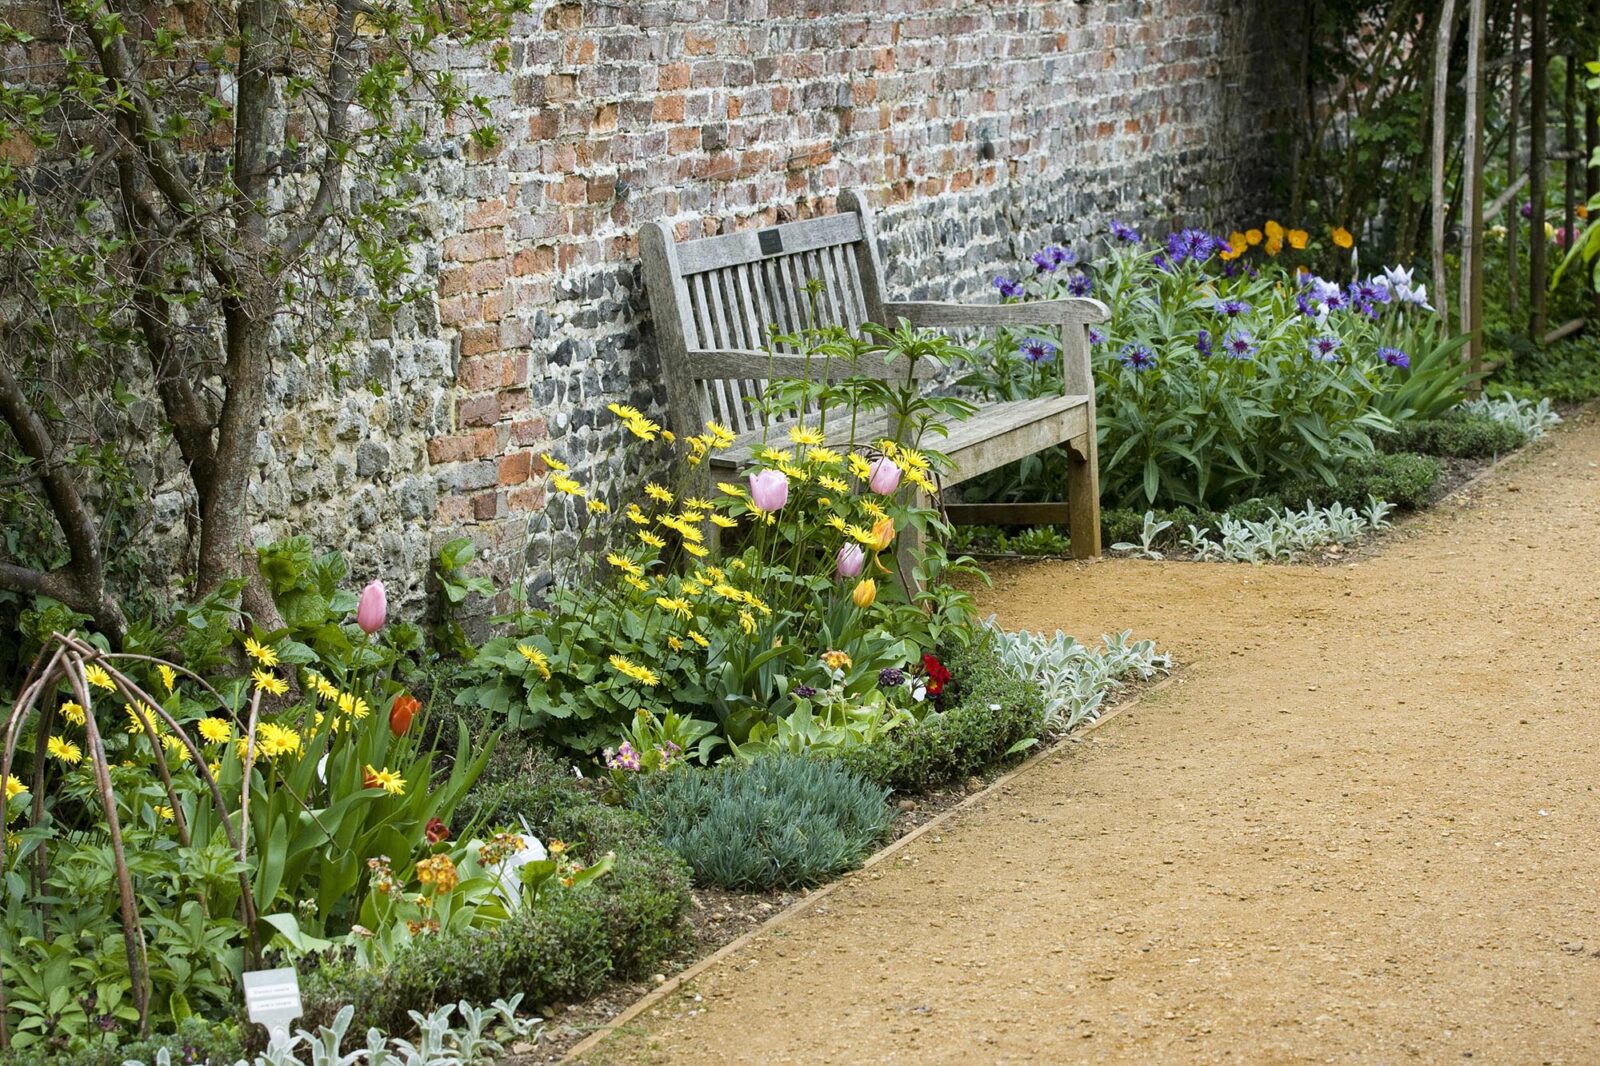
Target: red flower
column 436, row 831
column 404, row 708
column 938, row 676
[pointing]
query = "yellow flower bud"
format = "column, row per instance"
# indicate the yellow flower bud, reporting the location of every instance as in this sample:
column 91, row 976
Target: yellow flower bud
column 866, row 591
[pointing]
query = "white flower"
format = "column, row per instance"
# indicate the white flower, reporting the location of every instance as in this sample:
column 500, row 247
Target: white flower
column 1397, row 277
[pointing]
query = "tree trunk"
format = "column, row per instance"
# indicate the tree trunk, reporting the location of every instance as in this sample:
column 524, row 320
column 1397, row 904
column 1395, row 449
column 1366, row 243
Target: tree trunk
column 1538, row 163
column 1569, row 209
column 1470, row 311
column 1513, row 134
column 1441, row 106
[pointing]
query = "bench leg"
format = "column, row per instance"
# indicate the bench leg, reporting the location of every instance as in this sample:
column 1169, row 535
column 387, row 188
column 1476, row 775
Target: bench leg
column 1083, row 496
column 907, row 544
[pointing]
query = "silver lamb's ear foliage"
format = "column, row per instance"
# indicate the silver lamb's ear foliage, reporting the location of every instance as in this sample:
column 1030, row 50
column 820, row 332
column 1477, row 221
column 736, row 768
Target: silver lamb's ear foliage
column 1076, row 679
column 1533, row 419
column 1285, row 534
column 1145, row 549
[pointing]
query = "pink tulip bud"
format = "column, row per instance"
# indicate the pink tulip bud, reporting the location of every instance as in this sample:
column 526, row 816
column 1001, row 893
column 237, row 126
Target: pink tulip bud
column 769, row 489
column 372, row 609
column 851, row 561
column 885, row 477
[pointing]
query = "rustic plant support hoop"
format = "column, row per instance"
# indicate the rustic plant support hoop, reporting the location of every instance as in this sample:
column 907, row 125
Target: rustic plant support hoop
column 67, row 661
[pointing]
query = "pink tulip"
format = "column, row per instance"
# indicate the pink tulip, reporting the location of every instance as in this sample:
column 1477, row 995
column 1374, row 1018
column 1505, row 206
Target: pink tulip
column 372, row 609
column 769, row 489
column 851, row 561
column 885, row 477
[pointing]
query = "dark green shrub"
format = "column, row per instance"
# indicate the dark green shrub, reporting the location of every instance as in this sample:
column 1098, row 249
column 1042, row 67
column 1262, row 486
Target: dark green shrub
column 765, row 823
column 1404, row 479
column 1459, row 435
column 964, row 738
column 195, row 1041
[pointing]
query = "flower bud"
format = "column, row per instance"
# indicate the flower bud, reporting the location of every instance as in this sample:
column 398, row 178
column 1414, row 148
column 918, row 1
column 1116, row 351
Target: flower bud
column 885, row 477
column 866, row 591
column 769, row 489
column 850, row 561
column 372, row 609
column 404, row 708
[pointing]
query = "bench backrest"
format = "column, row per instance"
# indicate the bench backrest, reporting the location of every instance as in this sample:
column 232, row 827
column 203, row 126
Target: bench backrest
column 723, row 294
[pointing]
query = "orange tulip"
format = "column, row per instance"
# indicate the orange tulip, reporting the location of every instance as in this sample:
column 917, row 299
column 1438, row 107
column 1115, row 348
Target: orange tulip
column 882, row 534
column 404, row 708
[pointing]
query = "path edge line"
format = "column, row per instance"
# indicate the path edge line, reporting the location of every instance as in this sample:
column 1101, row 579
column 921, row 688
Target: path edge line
column 805, row 903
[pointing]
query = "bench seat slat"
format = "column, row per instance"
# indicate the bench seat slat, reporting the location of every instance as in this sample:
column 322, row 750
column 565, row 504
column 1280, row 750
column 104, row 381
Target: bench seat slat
column 998, row 434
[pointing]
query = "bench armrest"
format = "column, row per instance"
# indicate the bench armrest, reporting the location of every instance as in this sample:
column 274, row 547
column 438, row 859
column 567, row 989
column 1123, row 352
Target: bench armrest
column 1066, row 311
column 751, row 363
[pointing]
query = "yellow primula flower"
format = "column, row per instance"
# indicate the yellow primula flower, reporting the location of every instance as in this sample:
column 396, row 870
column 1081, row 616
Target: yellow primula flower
column 623, row 563
column 567, row 485
column 836, row 660
column 537, row 658
column 651, row 539
column 656, row 492
column 73, row 713
column 723, row 521
column 833, row 484
column 676, row 605
column 215, row 730
column 260, row 652
column 642, row 674
column 694, row 635
column 805, row 435
column 63, row 750
column 96, row 675
column 169, row 676
column 555, row 464
column 699, row 551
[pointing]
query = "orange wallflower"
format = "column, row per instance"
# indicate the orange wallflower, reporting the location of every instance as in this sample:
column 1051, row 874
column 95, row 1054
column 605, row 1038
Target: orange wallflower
column 1298, row 238
column 1274, row 231
column 1236, row 246
column 1252, row 237
column 1342, row 237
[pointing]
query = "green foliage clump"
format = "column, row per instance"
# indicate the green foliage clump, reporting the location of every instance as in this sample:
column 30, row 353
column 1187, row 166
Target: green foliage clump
column 1567, row 371
column 1403, row 479
column 967, row 736
column 778, row 822
column 1458, row 435
column 194, row 1040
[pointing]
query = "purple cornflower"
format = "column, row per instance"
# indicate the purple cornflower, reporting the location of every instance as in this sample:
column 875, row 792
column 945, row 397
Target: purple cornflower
column 1194, row 244
column 1232, row 308
column 1161, row 262
column 1324, row 349
column 1037, row 350
column 1395, row 358
column 1009, row 288
column 625, row 758
column 1137, row 357
column 891, row 677
column 1202, row 343
column 1124, row 232
column 1095, row 336
column 1239, row 344
column 805, row 692
column 1304, row 304
column 1053, row 258
column 1526, row 209
column 1080, row 285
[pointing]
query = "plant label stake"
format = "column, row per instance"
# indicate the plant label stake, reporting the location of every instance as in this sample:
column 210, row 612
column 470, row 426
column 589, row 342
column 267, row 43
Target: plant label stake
column 273, row 999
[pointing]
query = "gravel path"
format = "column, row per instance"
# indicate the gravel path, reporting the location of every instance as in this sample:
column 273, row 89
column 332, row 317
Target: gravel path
column 1362, row 825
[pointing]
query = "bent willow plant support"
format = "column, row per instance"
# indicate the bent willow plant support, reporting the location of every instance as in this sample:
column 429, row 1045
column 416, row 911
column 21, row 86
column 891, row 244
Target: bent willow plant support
column 65, row 657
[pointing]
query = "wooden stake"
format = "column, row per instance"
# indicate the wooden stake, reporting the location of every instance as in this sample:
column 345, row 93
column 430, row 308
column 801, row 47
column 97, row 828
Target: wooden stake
column 1441, row 107
column 1470, row 312
column 1513, row 135
column 1539, row 104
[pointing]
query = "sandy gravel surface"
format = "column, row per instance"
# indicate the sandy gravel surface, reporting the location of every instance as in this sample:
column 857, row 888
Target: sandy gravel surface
column 1363, row 825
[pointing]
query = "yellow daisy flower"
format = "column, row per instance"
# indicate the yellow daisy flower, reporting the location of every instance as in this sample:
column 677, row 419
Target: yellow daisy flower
column 388, row 780
column 824, row 457
column 674, row 643
column 656, row 492
column 14, row 787
column 637, row 516
column 723, row 521
column 567, row 485
column 260, row 652
column 638, row 583
column 729, row 489
column 694, row 635
column 747, row 622
column 675, row 605
column 537, row 658
column 833, row 484
column 96, row 675
column 651, row 539
column 63, row 750
column 774, row 455
column 699, row 551
column 555, row 464
column 598, row 507
column 73, row 713
column 176, row 748
column 623, row 563
column 164, row 813
column 860, row 467
column 696, row 503
column 269, row 683
column 805, row 435
column 836, row 522
column 169, row 676
column 622, row 410
column 215, row 730
column 642, row 674
column 642, row 428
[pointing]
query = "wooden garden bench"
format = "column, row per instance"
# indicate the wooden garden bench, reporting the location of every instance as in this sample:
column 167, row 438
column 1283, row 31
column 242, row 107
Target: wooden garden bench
column 713, row 300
